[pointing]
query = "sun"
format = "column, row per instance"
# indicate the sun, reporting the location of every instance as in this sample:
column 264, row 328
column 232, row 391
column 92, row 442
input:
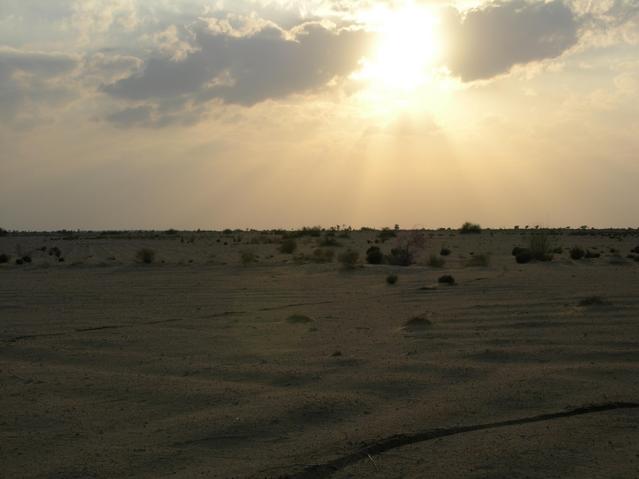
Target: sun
column 408, row 47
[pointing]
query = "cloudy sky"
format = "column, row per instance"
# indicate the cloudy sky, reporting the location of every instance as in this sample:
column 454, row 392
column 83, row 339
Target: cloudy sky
column 283, row 113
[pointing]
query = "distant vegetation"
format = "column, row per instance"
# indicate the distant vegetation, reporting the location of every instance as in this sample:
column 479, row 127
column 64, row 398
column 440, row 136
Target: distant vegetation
column 391, row 279
column 313, row 231
column 470, row 228
column 3, row 232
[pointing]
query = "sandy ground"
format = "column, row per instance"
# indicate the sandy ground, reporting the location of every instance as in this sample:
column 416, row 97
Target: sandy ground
column 193, row 367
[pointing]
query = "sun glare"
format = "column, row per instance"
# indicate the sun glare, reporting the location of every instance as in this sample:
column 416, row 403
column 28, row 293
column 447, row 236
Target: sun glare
column 407, row 50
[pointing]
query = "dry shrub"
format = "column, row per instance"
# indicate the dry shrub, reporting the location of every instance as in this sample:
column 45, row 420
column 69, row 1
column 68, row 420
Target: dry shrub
column 145, row 255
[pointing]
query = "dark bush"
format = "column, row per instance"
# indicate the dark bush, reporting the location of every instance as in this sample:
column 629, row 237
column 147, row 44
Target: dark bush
column 445, row 252
column 400, row 257
column 577, row 253
column 374, row 255
column 4, row 258
column 391, row 279
column 446, row 279
column 523, row 256
column 591, row 255
column 404, row 252
column 3, row 232
column 470, row 228
column 145, row 255
column 19, row 261
column 55, row 251
column 517, row 250
column 26, row 259
column 540, row 247
column 635, row 250
column 288, row 246
column 558, row 250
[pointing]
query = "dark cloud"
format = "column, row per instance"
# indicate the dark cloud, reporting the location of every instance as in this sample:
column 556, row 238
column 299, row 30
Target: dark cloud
column 246, row 70
column 30, row 78
column 490, row 40
column 132, row 116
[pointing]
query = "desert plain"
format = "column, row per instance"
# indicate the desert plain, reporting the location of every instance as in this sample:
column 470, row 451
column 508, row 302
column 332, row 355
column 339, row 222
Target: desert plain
column 224, row 357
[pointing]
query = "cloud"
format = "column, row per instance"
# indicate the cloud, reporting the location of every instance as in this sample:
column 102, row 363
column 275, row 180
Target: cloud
column 490, row 40
column 31, row 80
column 131, row 116
column 268, row 63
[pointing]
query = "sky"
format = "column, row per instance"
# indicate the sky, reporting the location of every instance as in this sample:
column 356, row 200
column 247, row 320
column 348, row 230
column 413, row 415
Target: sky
column 156, row 114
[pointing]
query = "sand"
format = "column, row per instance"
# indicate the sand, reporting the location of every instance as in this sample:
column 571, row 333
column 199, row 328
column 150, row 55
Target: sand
column 200, row 366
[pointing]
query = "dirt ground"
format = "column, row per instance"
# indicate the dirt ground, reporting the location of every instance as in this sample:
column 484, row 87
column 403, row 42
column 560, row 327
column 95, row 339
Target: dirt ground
column 198, row 365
